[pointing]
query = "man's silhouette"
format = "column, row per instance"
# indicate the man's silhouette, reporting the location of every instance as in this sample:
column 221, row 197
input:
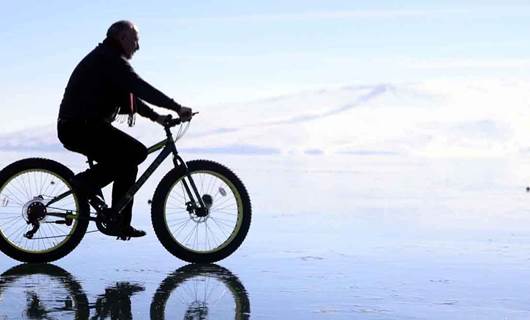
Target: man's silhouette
column 101, row 86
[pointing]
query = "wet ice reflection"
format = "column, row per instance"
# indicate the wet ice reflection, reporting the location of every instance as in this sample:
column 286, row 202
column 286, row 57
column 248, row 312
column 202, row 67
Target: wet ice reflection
column 46, row 291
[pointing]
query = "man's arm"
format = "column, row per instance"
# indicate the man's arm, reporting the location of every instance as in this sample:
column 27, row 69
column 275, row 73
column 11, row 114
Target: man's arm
column 145, row 111
column 125, row 78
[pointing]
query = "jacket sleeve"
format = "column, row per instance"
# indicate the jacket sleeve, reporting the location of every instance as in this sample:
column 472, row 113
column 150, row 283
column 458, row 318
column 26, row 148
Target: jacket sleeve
column 123, row 76
column 144, row 110
column 141, row 108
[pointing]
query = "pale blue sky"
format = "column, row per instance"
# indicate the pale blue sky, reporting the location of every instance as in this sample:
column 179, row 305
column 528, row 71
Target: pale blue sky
column 207, row 52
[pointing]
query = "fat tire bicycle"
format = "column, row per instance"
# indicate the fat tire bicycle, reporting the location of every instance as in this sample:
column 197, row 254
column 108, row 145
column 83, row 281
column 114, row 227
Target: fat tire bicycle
column 200, row 210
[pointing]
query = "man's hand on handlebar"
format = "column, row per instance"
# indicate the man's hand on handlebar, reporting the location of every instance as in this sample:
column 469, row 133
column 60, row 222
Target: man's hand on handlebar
column 168, row 120
column 185, row 113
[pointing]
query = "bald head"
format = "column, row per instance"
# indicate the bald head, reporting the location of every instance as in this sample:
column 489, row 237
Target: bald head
column 119, row 27
column 126, row 34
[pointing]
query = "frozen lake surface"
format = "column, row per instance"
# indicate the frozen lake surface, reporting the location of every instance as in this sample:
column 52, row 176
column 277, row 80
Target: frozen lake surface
column 332, row 237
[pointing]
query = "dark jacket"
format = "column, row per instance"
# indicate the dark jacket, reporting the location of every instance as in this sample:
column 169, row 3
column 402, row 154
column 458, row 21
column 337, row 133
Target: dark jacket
column 101, row 86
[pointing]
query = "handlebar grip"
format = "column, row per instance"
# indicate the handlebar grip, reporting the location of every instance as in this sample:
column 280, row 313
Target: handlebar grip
column 170, row 122
column 174, row 122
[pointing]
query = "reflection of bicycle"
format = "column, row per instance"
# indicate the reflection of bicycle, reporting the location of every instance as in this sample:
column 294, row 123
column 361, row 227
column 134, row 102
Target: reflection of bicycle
column 50, row 293
column 192, row 292
column 53, row 293
column 201, row 292
column 200, row 210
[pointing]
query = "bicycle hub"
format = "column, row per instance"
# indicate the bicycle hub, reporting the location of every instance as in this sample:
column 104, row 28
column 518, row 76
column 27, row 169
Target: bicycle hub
column 34, row 210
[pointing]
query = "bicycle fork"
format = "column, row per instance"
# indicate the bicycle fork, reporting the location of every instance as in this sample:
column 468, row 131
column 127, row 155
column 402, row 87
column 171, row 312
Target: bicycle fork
column 197, row 204
column 195, row 197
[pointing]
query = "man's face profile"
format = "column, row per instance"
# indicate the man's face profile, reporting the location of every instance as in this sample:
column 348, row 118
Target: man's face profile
column 129, row 41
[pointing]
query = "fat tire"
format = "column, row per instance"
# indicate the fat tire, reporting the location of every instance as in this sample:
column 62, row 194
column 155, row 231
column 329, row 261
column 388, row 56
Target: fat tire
column 158, row 212
column 82, row 223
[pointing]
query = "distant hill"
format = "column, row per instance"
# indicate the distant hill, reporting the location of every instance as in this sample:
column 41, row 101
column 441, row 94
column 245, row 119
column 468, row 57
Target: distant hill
column 437, row 118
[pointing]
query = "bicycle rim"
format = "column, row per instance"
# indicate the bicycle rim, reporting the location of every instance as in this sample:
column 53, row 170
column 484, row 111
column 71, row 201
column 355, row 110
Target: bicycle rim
column 27, row 188
column 204, row 234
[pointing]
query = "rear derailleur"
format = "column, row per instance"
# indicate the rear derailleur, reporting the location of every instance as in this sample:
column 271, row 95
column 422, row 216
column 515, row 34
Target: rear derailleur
column 34, row 211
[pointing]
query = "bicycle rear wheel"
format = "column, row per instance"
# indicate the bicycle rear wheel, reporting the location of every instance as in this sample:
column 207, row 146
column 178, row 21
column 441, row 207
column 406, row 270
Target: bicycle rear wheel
column 201, row 237
column 31, row 231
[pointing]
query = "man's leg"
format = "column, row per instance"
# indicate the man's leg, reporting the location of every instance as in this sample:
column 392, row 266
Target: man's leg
column 83, row 138
column 118, row 156
column 122, row 183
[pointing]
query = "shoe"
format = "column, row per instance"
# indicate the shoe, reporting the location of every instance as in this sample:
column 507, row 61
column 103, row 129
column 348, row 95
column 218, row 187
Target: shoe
column 130, row 232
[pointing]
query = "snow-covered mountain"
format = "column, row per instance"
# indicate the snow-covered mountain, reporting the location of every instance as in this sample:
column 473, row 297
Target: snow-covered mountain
column 435, row 118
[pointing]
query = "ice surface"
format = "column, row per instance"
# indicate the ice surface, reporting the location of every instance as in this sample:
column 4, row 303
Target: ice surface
column 332, row 237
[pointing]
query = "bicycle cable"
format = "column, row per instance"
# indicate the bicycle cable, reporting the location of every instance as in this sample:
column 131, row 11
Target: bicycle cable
column 61, row 236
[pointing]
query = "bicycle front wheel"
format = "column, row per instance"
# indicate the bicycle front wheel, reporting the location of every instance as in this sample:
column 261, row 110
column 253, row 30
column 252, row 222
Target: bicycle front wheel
column 201, row 237
column 30, row 229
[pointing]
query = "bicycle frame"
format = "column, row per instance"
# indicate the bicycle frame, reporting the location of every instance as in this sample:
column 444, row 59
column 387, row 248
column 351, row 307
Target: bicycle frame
column 168, row 147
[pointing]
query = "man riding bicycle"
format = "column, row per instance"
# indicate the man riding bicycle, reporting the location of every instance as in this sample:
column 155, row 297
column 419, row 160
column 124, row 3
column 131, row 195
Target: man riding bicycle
column 102, row 86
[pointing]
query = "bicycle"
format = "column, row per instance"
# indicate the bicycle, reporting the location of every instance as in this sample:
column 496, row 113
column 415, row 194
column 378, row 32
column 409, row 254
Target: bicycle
column 43, row 218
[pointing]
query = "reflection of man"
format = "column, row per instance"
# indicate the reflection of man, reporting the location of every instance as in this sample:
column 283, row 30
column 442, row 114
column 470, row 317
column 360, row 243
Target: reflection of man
column 116, row 302
column 35, row 309
column 102, row 85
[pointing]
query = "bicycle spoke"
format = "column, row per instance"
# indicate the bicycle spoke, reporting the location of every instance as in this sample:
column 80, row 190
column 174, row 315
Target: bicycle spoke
column 190, row 234
column 223, row 202
column 220, row 228
column 213, row 235
column 12, row 194
column 10, row 218
column 29, row 187
column 182, row 226
column 209, row 232
column 226, row 213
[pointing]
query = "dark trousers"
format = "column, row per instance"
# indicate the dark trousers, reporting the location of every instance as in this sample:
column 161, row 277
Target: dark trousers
column 117, row 155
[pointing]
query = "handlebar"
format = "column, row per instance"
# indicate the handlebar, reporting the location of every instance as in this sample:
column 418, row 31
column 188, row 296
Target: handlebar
column 170, row 122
